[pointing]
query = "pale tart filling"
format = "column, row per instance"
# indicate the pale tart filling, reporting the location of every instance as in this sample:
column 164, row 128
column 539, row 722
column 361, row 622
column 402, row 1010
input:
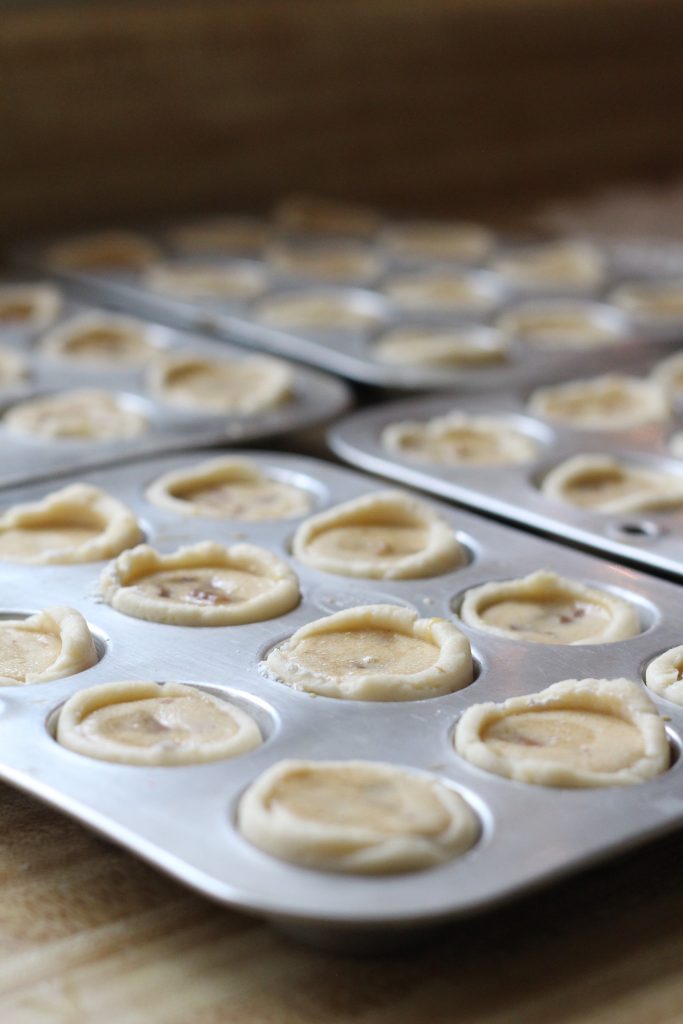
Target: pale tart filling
column 49, row 645
column 363, row 652
column 355, row 816
column 557, row 328
column 22, row 652
column 585, row 740
column 448, row 291
column 29, row 543
column 98, row 340
column 430, row 346
column 548, row 622
column 576, row 733
column 436, row 240
column 209, row 586
column 76, row 416
column 556, row 264
column 154, row 724
column 228, row 283
column 382, row 542
column 28, row 306
column 663, row 299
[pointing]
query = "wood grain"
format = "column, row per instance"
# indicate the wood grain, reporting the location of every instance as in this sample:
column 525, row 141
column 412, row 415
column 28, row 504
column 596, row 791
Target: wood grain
column 133, row 108
column 87, row 933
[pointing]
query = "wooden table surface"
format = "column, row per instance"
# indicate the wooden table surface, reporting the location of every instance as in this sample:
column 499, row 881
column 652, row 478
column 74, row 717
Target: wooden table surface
column 88, row 933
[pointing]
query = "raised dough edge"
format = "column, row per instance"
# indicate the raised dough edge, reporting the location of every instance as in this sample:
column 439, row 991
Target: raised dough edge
column 650, row 402
column 77, row 653
column 660, row 490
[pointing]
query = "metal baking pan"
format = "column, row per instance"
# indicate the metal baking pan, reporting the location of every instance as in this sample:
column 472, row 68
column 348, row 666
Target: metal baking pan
column 351, row 353
column 317, row 398
column 181, row 819
column 652, row 540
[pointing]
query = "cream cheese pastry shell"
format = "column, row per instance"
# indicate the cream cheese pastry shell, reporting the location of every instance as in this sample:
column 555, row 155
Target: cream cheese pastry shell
column 307, row 213
column 648, row 402
column 546, row 585
column 514, row 446
column 442, row 551
column 451, row 671
column 352, row 848
column 26, row 417
column 659, row 490
column 55, row 344
column 440, row 347
column 563, row 264
column 669, row 373
column 640, row 300
column 223, row 470
column 77, row 647
column 119, row 527
column 93, row 252
column 342, row 261
column 275, row 383
column 620, row 697
column 13, row 368
column 662, row 675
column 83, row 703
column 195, row 281
column 582, row 326
column 227, row 235
column 44, row 300
column 438, row 240
column 117, row 584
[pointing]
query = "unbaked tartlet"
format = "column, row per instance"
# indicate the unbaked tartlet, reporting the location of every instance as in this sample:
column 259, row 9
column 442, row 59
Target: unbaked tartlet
column 79, row 523
column 361, row 817
column 154, row 724
column 610, row 402
column 104, row 340
column 460, row 439
column 228, row 488
column 103, row 252
column 609, row 485
column 545, row 608
column 578, row 733
column 238, row 387
column 86, row 414
column 383, row 535
column 374, row 652
column 229, row 282
column 30, row 307
column 205, row 584
column 49, row 645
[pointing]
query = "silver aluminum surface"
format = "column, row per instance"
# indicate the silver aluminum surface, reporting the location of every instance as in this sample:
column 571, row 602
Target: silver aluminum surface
column 351, row 353
column 181, row 819
column 652, row 540
column 317, row 398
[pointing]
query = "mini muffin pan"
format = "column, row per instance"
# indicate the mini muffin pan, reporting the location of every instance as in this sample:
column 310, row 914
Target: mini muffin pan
column 652, row 540
column 182, row 819
column 317, row 398
column 351, row 353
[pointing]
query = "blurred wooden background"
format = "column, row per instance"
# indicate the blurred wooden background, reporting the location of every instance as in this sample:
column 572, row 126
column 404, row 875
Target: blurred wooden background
column 120, row 109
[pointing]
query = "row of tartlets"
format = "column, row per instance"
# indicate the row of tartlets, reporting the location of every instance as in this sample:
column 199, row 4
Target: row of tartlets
column 354, row 815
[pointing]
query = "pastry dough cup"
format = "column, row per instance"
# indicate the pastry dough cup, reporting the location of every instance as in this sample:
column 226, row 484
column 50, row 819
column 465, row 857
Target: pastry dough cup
column 352, row 848
column 451, row 671
column 77, row 650
column 81, row 704
column 27, row 417
column 13, row 368
column 118, row 580
column 275, row 384
column 77, row 504
column 441, row 552
column 544, row 585
column 438, row 240
column 167, row 491
column 39, row 304
column 662, row 675
column 648, row 402
column 441, row 347
column 618, row 697
column 103, row 251
column 313, row 214
column 657, row 490
column 231, row 282
column 514, row 447
column 56, row 344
